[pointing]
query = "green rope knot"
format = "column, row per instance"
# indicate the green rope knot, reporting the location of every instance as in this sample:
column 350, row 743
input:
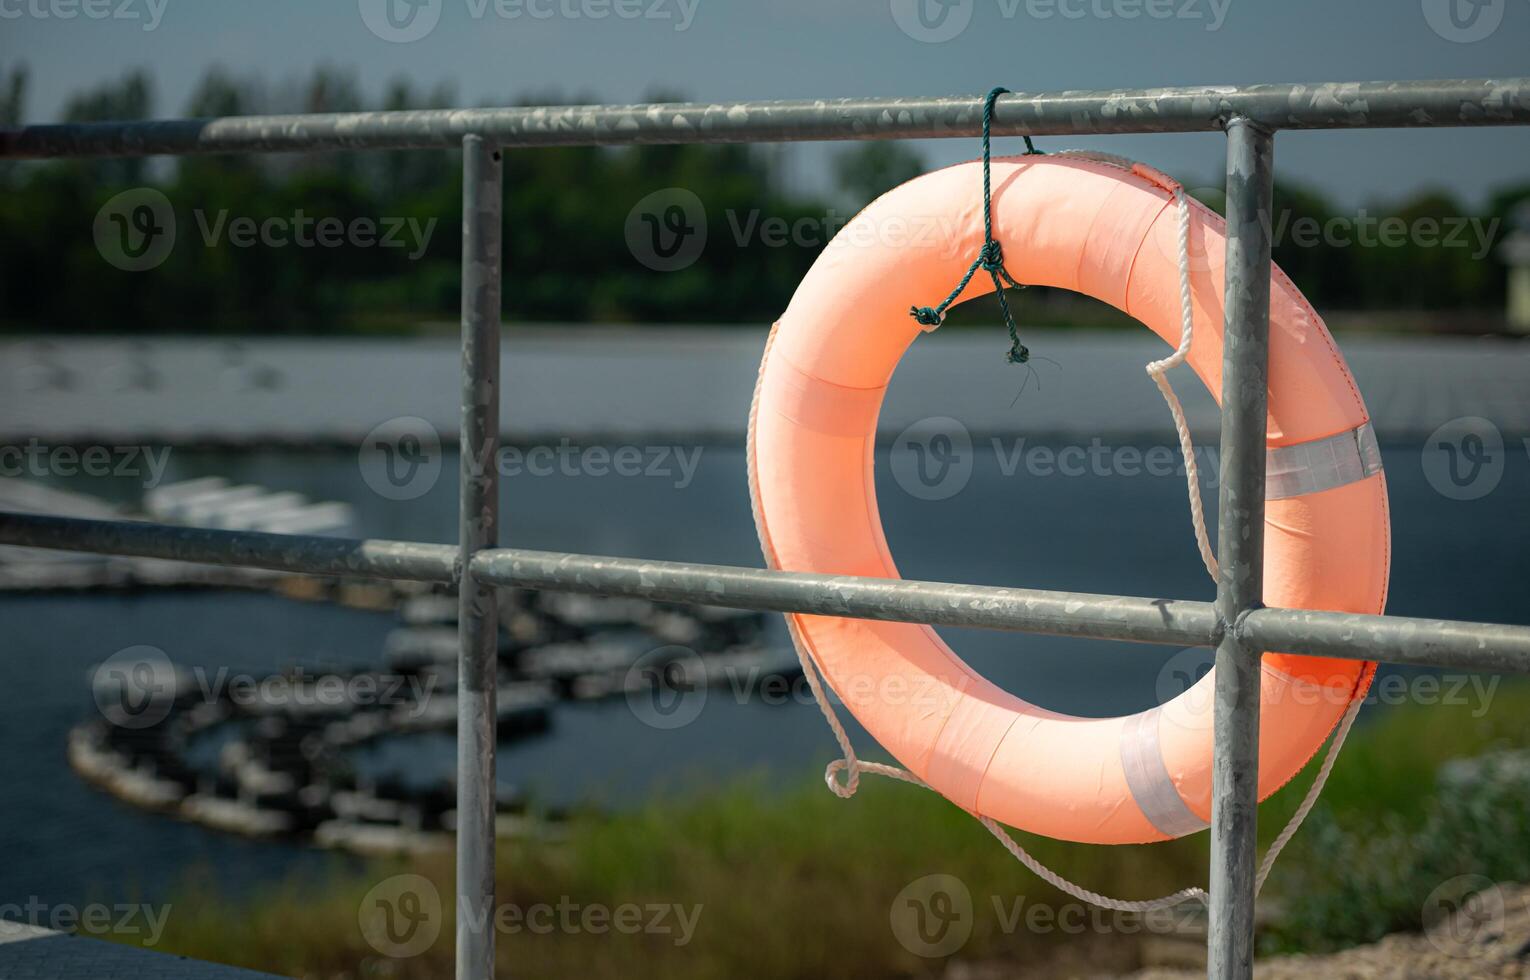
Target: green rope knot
column 926, row 315
column 990, row 257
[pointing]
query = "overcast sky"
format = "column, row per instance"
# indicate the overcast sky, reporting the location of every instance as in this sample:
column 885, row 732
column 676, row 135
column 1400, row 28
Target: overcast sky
column 620, row 50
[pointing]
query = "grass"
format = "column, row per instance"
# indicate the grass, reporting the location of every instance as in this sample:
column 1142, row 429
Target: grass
column 801, row 884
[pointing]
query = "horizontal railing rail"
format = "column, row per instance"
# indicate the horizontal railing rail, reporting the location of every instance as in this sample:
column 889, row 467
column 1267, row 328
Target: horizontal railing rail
column 1208, row 108
column 1177, row 622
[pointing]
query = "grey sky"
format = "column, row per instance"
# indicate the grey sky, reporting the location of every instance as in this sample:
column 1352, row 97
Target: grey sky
column 493, row 50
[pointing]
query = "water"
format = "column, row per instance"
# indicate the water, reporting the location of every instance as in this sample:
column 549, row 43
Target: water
column 64, row 842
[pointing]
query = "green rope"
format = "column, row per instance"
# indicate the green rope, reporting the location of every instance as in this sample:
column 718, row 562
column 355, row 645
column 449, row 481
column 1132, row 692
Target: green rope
column 990, row 257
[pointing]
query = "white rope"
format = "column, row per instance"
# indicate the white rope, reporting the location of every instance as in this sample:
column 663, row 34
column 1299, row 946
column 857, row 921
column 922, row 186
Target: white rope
column 1158, row 371
column 1313, row 792
column 853, row 767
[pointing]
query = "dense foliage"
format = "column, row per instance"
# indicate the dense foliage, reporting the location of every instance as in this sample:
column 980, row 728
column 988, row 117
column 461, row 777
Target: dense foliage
column 568, row 231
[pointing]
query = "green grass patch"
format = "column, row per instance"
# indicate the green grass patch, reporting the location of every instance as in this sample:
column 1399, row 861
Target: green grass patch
column 800, row 884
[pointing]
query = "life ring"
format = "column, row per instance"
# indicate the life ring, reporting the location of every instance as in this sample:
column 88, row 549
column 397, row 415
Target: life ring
column 1107, row 229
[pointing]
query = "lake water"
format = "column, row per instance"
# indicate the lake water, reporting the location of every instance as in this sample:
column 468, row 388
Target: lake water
column 1098, row 532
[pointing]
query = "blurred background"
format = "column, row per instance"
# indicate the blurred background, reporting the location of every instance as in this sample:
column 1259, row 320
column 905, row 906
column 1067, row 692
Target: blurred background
column 239, row 764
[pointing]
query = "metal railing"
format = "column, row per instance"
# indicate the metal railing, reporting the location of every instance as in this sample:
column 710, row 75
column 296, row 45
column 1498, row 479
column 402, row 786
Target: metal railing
column 1236, row 624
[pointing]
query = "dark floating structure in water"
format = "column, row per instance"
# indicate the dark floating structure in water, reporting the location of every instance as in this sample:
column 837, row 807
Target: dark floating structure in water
column 273, row 756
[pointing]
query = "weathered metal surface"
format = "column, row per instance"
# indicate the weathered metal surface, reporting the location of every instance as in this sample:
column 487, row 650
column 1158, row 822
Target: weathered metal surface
column 402, row 560
column 1169, row 621
column 1180, row 622
column 1328, row 105
column 1394, row 639
column 478, row 529
column 1240, row 548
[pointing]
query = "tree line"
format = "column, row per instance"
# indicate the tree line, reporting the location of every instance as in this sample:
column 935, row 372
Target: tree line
column 336, row 242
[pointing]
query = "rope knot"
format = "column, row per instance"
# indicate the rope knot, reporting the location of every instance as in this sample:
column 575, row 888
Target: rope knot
column 926, row 316
column 990, row 257
column 852, row 769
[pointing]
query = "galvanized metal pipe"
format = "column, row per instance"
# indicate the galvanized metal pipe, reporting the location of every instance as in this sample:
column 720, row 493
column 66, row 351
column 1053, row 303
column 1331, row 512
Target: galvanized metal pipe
column 1203, row 108
column 1179, row 622
column 308, row 554
column 478, row 529
column 1168, row 621
column 1393, row 639
column 1240, row 548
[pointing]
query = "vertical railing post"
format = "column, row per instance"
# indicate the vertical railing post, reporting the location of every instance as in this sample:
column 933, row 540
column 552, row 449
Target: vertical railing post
column 1240, row 548
column 478, row 528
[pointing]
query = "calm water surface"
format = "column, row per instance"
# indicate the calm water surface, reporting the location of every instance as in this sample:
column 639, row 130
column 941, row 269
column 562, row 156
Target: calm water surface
column 63, row 842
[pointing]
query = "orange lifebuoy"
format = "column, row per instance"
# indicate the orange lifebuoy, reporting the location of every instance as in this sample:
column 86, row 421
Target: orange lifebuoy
column 1107, row 230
